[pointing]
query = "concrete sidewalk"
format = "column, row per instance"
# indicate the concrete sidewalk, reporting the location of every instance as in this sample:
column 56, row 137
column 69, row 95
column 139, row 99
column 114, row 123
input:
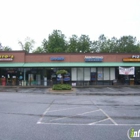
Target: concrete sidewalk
column 98, row 90
column 109, row 91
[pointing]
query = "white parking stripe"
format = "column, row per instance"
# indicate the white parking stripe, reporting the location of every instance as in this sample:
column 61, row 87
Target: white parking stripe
column 98, row 121
column 40, row 120
column 105, row 113
column 75, row 124
column 74, row 115
column 109, row 117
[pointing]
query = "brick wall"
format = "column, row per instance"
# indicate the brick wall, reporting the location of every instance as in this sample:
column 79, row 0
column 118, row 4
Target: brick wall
column 22, row 56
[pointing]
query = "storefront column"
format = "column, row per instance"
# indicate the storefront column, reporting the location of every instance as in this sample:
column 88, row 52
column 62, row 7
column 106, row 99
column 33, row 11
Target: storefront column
column 24, row 79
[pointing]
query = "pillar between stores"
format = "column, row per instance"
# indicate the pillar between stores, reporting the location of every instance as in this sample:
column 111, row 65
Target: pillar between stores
column 24, row 74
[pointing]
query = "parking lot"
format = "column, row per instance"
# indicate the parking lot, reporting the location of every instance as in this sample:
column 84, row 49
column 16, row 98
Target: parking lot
column 97, row 90
column 90, row 112
column 27, row 116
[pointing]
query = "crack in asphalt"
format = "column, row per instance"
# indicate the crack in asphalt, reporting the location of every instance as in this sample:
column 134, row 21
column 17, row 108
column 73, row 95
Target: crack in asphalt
column 72, row 104
column 74, row 117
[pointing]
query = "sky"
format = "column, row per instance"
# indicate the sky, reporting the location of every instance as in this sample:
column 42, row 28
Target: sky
column 37, row 19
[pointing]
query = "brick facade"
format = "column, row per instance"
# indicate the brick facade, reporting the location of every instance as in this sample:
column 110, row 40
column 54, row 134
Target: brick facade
column 23, row 57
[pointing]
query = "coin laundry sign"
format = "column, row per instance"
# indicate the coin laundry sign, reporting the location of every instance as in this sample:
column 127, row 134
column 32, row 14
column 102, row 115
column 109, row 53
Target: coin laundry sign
column 6, row 57
column 93, row 58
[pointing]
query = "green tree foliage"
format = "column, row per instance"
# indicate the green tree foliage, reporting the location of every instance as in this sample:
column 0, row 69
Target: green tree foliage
column 103, row 44
column 73, row 44
column 126, row 44
column 79, row 45
column 28, row 45
column 62, row 72
column 56, row 42
column 5, row 48
column 45, row 45
column 84, row 44
column 38, row 50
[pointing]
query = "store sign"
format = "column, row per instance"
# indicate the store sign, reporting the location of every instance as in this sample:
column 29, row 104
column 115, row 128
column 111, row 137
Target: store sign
column 134, row 58
column 127, row 71
column 131, row 60
column 57, row 58
column 6, row 57
column 93, row 58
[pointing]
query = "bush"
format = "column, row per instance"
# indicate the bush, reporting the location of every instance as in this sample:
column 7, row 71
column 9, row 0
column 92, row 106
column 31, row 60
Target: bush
column 62, row 87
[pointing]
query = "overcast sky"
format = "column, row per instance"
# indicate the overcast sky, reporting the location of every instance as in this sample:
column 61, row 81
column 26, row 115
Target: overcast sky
column 38, row 18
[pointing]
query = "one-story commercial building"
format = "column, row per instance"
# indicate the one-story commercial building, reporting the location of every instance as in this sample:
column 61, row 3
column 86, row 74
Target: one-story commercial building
column 22, row 68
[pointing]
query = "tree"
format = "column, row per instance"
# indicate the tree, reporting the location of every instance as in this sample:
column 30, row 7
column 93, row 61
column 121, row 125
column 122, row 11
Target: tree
column 28, row 45
column 103, row 44
column 62, row 72
column 45, row 45
column 5, row 48
column 38, row 50
column 56, row 42
column 128, row 44
column 1, row 48
column 73, row 44
column 84, row 44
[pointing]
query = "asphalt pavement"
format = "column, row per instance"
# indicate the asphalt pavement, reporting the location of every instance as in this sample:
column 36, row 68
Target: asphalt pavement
column 99, row 90
column 33, row 116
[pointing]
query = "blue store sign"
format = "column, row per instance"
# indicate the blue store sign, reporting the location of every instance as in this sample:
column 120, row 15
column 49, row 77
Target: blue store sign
column 57, row 58
column 93, row 58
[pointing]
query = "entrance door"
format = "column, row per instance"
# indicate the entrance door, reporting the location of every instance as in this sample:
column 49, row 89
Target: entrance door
column 93, row 78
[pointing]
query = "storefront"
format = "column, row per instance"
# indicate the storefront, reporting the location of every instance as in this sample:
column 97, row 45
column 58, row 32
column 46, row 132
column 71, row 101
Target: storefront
column 25, row 69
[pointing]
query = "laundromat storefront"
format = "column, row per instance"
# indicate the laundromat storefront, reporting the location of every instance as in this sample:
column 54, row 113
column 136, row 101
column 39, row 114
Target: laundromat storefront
column 28, row 69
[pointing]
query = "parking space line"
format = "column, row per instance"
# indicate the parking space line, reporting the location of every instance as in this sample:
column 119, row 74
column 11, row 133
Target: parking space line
column 41, row 118
column 74, row 115
column 76, row 124
column 105, row 113
column 98, row 121
column 109, row 117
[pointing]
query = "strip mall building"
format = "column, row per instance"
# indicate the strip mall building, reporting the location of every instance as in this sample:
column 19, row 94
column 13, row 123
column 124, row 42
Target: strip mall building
column 21, row 68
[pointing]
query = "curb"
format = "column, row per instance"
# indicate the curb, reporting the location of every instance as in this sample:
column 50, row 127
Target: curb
column 110, row 94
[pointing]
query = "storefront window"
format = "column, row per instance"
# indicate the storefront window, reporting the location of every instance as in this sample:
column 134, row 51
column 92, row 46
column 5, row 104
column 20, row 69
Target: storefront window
column 112, row 73
column 74, row 74
column 93, row 69
column 86, row 74
column 80, row 74
column 100, row 73
column 106, row 74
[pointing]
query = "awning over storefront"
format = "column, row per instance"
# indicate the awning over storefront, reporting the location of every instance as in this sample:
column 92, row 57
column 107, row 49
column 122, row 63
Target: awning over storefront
column 90, row 64
column 11, row 65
